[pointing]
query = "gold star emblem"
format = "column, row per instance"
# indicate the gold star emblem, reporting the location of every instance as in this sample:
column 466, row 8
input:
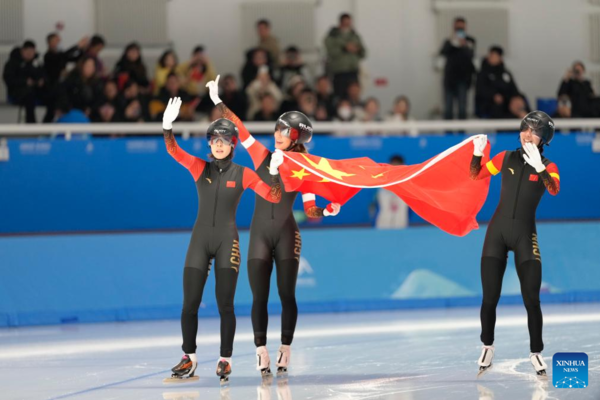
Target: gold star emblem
column 324, row 166
column 299, row 174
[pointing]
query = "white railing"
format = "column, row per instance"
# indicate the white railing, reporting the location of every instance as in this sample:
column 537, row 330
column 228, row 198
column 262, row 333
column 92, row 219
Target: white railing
column 413, row 128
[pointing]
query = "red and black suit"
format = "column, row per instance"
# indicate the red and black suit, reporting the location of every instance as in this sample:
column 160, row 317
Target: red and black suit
column 513, row 228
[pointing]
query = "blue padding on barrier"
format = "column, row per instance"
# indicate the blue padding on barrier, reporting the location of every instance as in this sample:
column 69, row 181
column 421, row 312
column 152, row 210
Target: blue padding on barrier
column 121, row 277
column 132, row 184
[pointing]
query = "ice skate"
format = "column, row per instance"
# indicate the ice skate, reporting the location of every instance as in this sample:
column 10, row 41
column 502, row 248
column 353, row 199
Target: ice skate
column 224, row 369
column 540, row 366
column 485, row 360
column 263, row 362
column 284, row 355
column 184, row 370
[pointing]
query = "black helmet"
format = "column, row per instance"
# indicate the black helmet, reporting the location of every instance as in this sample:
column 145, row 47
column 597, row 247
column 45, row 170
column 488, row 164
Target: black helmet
column 541, row 125
column 223, row 128
column 296, row 126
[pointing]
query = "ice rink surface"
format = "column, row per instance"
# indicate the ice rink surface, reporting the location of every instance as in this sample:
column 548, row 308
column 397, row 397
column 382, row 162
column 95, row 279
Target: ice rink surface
column 416, row 354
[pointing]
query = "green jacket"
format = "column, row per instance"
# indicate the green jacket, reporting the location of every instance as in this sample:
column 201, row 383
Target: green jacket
column 338, row 58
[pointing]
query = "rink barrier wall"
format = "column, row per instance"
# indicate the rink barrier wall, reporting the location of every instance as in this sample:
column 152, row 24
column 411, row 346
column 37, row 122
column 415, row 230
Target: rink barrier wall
column 132, row 184
column 66, row 279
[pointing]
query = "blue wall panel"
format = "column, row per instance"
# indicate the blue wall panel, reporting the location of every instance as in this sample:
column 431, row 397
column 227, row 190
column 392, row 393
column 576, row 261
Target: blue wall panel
column 132, row 184
column 89, row 278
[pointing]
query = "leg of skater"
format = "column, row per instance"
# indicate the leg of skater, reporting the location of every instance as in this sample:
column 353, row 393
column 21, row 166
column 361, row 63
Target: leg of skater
column 259, row 274
column 492, row 272
column 227, row 264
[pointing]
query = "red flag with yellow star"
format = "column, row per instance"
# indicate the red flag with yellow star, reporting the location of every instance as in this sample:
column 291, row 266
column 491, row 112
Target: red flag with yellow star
column 439, row 189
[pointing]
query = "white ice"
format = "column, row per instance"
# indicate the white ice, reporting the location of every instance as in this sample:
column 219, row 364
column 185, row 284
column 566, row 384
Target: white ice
column 416, row 354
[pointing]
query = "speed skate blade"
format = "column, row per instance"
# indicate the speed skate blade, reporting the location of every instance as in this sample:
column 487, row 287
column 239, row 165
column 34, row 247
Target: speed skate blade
column 180, row 380
column 181, row 395
column 482, row 371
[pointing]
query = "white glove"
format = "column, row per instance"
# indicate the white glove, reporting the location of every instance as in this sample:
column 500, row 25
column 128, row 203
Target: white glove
column 336, row 210
column 479, row 144
column 276, row 161
column 533, row 157
column 213, row 90
column 171, row 113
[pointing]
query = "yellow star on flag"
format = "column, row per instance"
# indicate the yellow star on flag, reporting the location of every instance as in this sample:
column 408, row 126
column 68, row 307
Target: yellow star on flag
column 299, row 174
column 324, row 166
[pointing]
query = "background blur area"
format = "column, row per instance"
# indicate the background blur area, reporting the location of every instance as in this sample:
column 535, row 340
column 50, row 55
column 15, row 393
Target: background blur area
column 95, row 221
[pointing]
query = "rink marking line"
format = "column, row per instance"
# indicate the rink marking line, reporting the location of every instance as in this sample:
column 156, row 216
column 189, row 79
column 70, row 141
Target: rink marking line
column 110, row 345
column 107, row 385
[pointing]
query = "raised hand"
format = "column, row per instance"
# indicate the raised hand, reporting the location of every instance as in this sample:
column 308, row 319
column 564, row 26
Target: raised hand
column 213, row 90
column 171, row 113
column 533, row 157
column 479, row 144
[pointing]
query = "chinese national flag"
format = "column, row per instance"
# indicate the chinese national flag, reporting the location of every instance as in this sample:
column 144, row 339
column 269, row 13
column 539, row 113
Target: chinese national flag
column 439, row 189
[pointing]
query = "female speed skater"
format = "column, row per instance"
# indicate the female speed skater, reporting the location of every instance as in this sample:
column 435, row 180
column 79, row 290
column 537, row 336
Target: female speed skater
column 274, row 233
column 220, row 184
column 526, row 175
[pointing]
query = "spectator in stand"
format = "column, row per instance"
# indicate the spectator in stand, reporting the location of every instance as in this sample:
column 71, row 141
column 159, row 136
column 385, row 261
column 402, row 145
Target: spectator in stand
column 517, row 107
column 290, row 103
column 344, row 52
column 401, row 113
column 354, row 94
column 292, row 65
column 268, row 108
column 236, row 99
column 322, row 114
column 324, row 95
column 345, row 111
column 495, row 86
column 258, row 88
column 24, row 78
column 131, row 67
column 105, row 109
column 55, row 63
column 81, row 89
column 196, row 72
column 133, row 105
column 267, row 41
column 307, row 103
column 255, row 58
column 66, row 114
column 401, row 110
column 371, row 111
column 95, row 46
column 214, row 114
column 564, row 109
column 166, row 65
column 458, row 50
column 172, row 89
column 580, row 91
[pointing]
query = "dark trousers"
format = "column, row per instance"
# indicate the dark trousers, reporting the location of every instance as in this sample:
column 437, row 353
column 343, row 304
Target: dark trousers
column 458, row 93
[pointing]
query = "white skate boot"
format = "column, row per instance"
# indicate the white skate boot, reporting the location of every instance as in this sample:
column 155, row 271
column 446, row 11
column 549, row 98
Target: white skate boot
column 263, row 361
column 284, row 354
column 485, row 360
column 537, row 360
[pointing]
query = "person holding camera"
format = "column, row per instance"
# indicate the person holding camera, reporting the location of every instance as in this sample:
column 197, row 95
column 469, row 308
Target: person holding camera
column 580, row 91
column 458, row 72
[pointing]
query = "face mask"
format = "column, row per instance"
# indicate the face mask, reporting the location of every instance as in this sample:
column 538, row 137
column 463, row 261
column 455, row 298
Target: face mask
column 345, row 112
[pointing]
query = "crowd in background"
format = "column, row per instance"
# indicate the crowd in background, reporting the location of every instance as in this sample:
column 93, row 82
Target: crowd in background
column 76, row 86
